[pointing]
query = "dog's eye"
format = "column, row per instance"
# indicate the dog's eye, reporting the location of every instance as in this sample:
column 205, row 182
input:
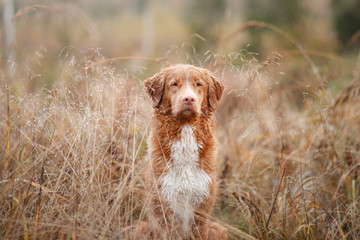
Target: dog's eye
column 174, row 84
column 198, row 84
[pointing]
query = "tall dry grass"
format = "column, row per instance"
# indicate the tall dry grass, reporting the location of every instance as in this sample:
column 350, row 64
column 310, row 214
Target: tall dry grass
column 73, row 155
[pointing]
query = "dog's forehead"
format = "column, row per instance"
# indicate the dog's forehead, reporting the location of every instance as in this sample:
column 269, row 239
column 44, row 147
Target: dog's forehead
column 185, row 72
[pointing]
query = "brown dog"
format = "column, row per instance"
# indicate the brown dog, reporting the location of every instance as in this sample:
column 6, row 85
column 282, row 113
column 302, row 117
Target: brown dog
column 182, row 147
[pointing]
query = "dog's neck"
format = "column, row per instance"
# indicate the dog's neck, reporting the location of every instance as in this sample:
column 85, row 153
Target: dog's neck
column 167, row 130
column 199, row 123
column 186, row 149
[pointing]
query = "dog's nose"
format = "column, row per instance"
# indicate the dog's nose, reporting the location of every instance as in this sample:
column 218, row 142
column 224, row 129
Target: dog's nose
column 189, row 100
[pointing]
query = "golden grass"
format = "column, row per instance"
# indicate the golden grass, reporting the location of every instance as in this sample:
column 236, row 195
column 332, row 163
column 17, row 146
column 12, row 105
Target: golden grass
column 73, row 155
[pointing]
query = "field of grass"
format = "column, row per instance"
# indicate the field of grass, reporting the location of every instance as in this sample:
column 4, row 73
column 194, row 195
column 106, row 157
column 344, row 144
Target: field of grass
column 73, row 153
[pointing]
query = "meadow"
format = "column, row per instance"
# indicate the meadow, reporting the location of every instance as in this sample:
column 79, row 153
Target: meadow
column 74, row 150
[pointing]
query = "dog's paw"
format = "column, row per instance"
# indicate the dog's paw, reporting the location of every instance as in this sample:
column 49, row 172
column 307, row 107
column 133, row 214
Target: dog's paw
column 217, row 232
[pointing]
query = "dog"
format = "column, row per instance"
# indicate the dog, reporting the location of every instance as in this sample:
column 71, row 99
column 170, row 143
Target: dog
column 181, row 180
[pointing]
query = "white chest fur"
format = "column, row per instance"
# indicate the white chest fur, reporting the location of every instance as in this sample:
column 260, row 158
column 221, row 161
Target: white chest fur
column 185, row 185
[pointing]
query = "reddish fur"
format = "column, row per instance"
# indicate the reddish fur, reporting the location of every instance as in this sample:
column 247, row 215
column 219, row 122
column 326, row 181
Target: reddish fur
column 165, row 130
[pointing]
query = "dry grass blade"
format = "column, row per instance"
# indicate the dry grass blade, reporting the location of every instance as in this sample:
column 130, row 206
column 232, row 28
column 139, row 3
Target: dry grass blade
column 240, row 234
column 254, row 210
column 157, row 60
column 7, row 149
column 334, row 57
column 275, row 199
column 350, row 94
column 259, row 24
column 45, row 189
column 353, row 39
column 26, row 231
column 26, row 10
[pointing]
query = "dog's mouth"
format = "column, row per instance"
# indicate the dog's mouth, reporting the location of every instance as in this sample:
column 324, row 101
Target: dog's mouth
column 187, row 112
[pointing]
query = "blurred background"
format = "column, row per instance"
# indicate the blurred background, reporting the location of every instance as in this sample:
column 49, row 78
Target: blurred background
column 34, row 34
column 75, row 116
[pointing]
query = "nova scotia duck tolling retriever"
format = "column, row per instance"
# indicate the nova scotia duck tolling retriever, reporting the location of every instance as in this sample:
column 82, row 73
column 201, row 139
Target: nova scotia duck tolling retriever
column 181, row 179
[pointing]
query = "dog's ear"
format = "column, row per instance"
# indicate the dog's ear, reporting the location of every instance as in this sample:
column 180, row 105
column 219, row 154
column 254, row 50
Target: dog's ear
column 155, row 88
column 215, row 91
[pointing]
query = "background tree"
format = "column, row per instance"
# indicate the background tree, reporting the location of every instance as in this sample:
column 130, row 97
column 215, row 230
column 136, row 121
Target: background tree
column 281, row 13
column 204, row 17
column 346, row 19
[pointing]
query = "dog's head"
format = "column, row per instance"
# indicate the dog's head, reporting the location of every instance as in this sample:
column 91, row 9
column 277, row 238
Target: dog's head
column 184, row 91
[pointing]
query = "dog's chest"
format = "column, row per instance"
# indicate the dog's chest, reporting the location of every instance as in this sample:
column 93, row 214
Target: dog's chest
column 185, row 185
